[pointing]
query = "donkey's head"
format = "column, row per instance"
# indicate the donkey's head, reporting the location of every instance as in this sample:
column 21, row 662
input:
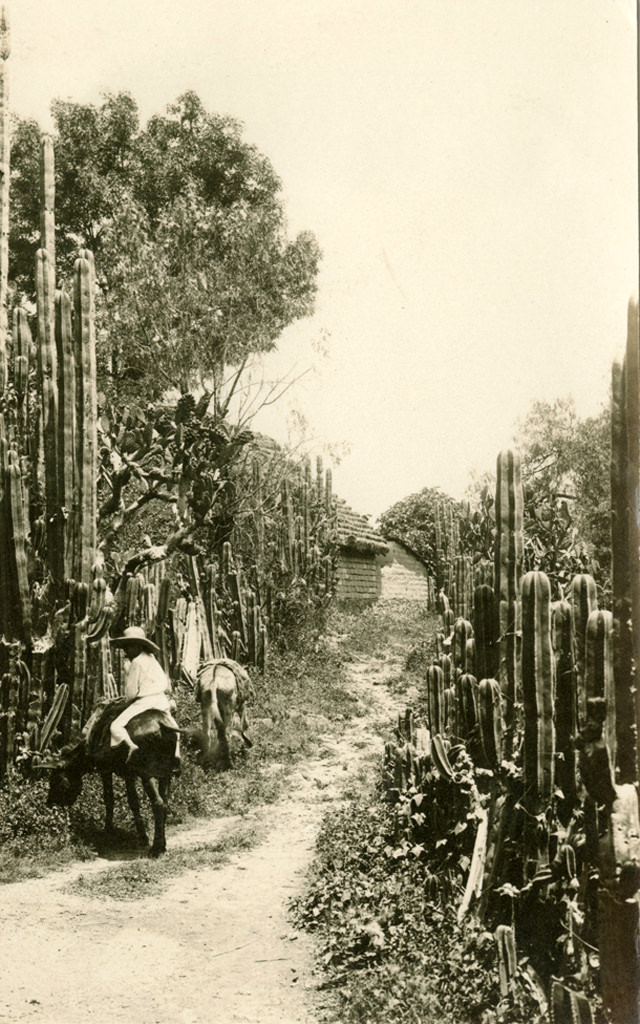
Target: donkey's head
column 65, row 781
column 64, row 787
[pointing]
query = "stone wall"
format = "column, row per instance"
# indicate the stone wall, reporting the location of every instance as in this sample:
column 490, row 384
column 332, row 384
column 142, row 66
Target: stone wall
column 358, row 577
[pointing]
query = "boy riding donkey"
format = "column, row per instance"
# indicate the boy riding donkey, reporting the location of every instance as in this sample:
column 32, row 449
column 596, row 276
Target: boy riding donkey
column 146, row 686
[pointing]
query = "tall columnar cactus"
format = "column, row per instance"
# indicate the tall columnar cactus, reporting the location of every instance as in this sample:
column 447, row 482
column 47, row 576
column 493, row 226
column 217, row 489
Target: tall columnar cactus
column 598, row 674
column 67, row 468
column 583, row 597
column 7, row 589
column 484, row 626
column 566, row 709
column 16, row 510
column 467, row 703
column 464, row 599
column 258, row 497
column 509, row 553
column 462, row 633
column 447, row 669
column 5, row 50
column 491, row 722
column 328, row 492
column 48, row 370
column 22, row 344
column 471, row 656
column 451, row 713
column 625, row 427
column 538, row 691
column 47, row 198
column 85, row 488
column 435, row 699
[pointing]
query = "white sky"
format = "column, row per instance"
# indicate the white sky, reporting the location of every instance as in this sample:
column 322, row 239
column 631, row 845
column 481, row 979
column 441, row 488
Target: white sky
column 468, row 166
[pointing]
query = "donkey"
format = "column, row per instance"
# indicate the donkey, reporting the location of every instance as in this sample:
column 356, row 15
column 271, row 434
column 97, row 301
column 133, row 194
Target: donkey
column 154, row 764
column 222, row 689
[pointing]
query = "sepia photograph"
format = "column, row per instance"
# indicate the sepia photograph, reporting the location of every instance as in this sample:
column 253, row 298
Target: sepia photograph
column 319, row 512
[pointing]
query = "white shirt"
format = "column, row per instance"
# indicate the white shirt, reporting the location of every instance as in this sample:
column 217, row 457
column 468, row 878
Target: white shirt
column 145, row 677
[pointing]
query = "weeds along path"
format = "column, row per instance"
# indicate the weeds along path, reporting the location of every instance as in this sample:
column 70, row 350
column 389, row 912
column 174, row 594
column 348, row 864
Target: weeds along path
column 214, row 943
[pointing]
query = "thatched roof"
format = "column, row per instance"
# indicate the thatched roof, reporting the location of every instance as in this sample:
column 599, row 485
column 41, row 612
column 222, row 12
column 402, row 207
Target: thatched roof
column 356, row 533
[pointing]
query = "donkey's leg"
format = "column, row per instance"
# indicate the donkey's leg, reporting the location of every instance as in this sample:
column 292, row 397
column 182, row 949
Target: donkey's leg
column 107, row 793
column 224, row 724
column 159, row 816
column 134, row 804
column 207, row 717
column 164, row 786
column 224, row 748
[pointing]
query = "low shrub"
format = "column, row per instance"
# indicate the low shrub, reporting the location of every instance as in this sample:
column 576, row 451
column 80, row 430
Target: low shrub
column 25, row 821
column 390, row 943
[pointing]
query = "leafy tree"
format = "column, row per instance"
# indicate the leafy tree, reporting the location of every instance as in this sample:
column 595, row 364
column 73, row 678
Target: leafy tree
column 187, row 225
column 412, row 521
column 566, row 471
column 196, row 275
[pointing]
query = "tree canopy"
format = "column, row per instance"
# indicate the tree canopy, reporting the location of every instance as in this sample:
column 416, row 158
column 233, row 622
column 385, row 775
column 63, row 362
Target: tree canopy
column 196, row 274
column 413, row 522
column 187, row 224
column 566, row 471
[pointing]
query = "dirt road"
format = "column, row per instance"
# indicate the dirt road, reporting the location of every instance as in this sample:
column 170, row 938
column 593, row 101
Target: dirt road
column 216, row 945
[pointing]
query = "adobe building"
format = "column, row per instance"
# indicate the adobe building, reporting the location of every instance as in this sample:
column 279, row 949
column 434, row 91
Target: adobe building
column 361, row 552
column 404, row 575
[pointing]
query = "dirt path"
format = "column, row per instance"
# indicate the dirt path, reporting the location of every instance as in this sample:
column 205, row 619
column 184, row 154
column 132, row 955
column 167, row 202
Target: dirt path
column 216, row 945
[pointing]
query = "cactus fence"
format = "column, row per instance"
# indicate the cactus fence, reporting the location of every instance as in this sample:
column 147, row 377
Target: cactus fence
column 529, row 757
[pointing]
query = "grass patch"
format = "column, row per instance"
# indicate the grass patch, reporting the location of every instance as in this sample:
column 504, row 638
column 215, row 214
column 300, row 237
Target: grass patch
column 143, row 877
column 405, row 628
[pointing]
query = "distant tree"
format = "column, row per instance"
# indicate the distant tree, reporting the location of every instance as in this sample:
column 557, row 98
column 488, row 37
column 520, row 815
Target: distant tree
column 412, row 521
column 566, row 471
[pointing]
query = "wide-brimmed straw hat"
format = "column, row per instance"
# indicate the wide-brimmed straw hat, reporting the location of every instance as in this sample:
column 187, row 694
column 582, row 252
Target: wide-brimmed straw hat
column 135, row 635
